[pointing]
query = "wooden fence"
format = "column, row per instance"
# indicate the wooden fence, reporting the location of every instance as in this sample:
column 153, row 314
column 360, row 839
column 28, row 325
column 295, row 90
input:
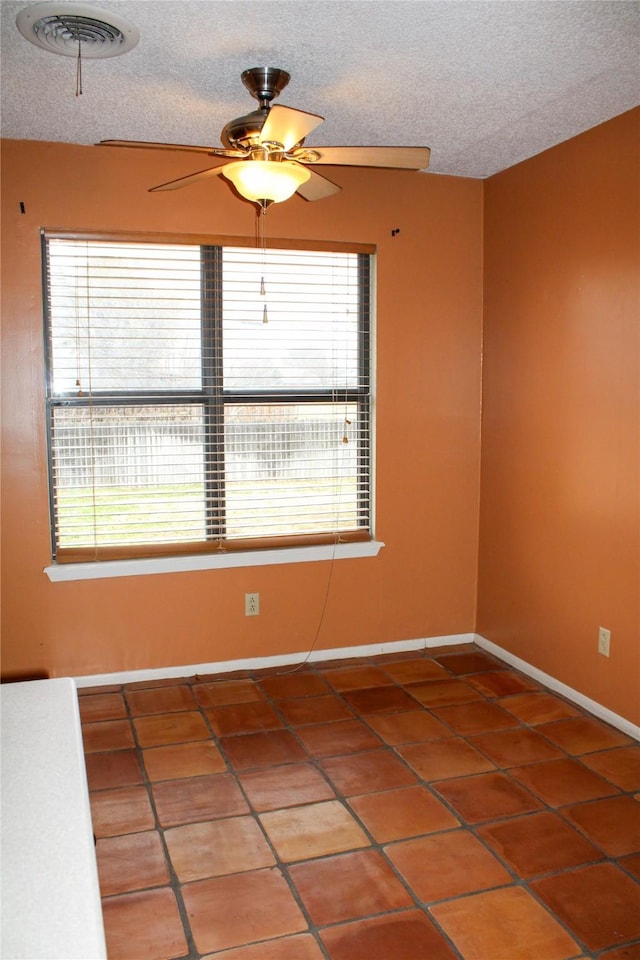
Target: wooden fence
column 139, row 453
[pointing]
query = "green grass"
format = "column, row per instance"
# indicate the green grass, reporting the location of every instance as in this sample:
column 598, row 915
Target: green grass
column 175, row 513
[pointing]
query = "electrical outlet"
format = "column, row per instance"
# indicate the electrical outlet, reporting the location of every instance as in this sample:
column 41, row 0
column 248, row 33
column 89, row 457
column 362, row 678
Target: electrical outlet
column 251, row 604
column 604, row 640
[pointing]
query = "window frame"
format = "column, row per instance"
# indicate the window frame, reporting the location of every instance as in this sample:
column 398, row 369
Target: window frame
column 213, row 397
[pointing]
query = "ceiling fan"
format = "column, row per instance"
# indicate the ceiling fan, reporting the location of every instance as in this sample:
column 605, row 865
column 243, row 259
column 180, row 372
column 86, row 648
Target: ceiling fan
column 263, row 152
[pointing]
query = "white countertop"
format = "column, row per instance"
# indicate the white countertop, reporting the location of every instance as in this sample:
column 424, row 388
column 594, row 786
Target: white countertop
column 50, row 894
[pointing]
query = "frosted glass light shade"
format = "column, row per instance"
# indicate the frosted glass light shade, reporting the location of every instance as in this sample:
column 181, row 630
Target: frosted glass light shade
column 273, row 180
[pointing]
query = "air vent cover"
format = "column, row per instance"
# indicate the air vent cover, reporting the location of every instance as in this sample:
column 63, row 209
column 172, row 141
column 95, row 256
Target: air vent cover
column 60, row 27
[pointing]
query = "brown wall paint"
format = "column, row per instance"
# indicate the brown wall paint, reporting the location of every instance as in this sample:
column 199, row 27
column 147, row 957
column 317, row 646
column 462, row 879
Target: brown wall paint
column 429, row 304
column 559, row 532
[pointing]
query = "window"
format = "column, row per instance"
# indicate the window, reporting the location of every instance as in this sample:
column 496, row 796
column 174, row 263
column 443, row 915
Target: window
column 205, row 397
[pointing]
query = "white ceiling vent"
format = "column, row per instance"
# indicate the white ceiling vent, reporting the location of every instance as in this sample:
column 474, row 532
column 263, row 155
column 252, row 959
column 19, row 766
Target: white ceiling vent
column 62, row 27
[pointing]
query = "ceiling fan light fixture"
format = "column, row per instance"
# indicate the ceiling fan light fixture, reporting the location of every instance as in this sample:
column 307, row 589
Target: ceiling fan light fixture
column 266, row 180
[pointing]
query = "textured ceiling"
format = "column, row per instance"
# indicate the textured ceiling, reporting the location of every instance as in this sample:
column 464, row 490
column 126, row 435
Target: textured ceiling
column 485, row 83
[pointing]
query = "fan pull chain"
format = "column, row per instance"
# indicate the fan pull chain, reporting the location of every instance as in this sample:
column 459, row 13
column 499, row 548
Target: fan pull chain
column 263, row 293
column 262, row 213
column 79, row 70
column 78, row 341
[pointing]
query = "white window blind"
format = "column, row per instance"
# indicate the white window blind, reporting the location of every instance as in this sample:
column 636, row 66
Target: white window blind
column 205, row 396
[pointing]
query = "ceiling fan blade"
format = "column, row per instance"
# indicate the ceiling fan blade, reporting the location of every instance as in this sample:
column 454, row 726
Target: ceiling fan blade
column 212, row 151
column 317, row 187
column 192, row 178
column 399, row 158
column 288, row 126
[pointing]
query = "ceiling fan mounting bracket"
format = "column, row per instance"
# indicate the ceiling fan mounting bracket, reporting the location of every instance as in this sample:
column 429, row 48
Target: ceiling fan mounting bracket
column 304, row 155
column 274, row 149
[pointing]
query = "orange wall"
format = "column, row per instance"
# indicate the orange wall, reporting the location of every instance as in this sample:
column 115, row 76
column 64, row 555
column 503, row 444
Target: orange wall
column 559, row 528
column 429, row 302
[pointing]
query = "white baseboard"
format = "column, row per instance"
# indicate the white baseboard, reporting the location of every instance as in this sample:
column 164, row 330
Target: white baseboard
column 369, row 650
column 264, row 663
column 620, row 723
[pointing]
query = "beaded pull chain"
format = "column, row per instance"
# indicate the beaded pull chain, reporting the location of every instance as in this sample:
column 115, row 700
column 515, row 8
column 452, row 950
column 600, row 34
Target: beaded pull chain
column 79, row 70
column 262, row 212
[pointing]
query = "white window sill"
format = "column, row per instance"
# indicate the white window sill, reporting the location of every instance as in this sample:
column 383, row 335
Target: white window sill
column 210, row 561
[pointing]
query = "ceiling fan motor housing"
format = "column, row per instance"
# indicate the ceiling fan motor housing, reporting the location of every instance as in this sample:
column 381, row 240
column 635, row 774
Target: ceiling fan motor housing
column 265, row 84
column 244, row 131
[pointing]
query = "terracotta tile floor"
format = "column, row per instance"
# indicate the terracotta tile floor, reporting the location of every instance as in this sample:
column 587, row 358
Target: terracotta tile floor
column 421, row 806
